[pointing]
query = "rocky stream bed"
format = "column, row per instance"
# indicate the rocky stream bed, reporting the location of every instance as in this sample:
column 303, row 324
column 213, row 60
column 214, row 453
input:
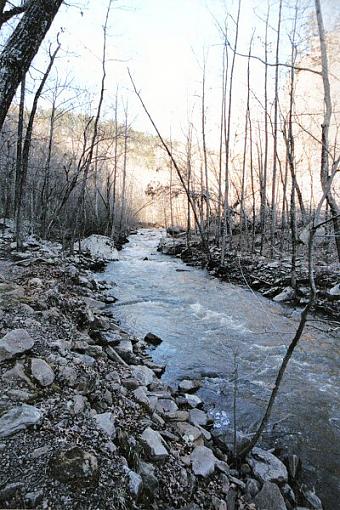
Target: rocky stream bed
column 86, row 422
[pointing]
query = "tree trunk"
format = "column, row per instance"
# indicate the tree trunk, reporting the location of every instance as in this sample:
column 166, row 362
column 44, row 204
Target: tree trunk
column 324, row 173
column 22, row 46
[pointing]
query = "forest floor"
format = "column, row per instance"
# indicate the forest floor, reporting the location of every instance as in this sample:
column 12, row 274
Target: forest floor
column 86, row 422
column 270, row 277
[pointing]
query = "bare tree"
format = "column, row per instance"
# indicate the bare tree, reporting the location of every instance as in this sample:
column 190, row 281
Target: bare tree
column 22, row 46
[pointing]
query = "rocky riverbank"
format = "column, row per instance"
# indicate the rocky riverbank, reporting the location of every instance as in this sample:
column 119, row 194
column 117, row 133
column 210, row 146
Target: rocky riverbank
column 269, row 277
column 86, row 422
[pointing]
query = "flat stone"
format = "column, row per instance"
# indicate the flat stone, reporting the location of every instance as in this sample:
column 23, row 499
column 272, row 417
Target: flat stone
column 19, row 395
column 270, row 498
column 14, row 343
column 203, row 461
column 166, row 405
column 178, row 416
column 42, row 372
column 143, row 374
column 19, row 418
column 75, row 466
column 154, row 444
column 266, row 467
column 105, row 422
column 198, row 417
column 188, row 432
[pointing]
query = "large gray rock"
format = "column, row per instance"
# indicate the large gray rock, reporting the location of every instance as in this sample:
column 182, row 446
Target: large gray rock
column 141, row 396
column 105, row 422
column 14, row 343
column 192, row 400
column 266, row 467
column 198, row 417
column 270, row 498
column 101, row 247
column 42, row 372
column 166, row 405
column 154, row 444
column 150, row 481
column 188, row 432
column 143, row 374
column 75, row 466
column 203, row 461
column 135, row 482
column 125, row 351
column 189, row 385
column 19, row 418
column 286, row 295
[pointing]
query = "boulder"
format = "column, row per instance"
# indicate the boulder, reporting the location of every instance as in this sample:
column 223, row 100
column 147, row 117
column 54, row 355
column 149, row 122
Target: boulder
column 141, row 396
column 135, row 482
column 42, row 372
column 19, row 418
column 150, row 481
column 270, row 498
column 14, row 343
column 75, row 466
column 286, row 295
column 100, row 247
column 192, row 400
column 125, row 351
column 105, row 422
column 154, row 444
column 166, row 405
column 203, row 461
column 311, row 499
column 143, row 374
column 252, row 487
column 266, row 467
column 175, row 230
column 152, row 339
column 189, row 385
column 198, row 417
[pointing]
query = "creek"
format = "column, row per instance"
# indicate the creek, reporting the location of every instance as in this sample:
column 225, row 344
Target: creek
column 209, row 328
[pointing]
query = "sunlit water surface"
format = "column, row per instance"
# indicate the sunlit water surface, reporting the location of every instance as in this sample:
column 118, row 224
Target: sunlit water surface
column 208, row 327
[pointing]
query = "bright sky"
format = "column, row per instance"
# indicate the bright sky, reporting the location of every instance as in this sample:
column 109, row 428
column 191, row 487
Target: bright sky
column 162, row 43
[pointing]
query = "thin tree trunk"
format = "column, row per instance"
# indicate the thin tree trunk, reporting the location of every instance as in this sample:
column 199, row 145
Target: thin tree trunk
column 265, row 165
column 26, row 151
column 273, row 211
column 226, row 212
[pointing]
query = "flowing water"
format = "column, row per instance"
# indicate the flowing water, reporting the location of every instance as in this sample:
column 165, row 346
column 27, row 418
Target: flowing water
column 210, row 327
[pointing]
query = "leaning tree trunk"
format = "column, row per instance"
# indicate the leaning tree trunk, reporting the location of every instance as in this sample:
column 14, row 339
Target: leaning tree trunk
column 22, row 47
